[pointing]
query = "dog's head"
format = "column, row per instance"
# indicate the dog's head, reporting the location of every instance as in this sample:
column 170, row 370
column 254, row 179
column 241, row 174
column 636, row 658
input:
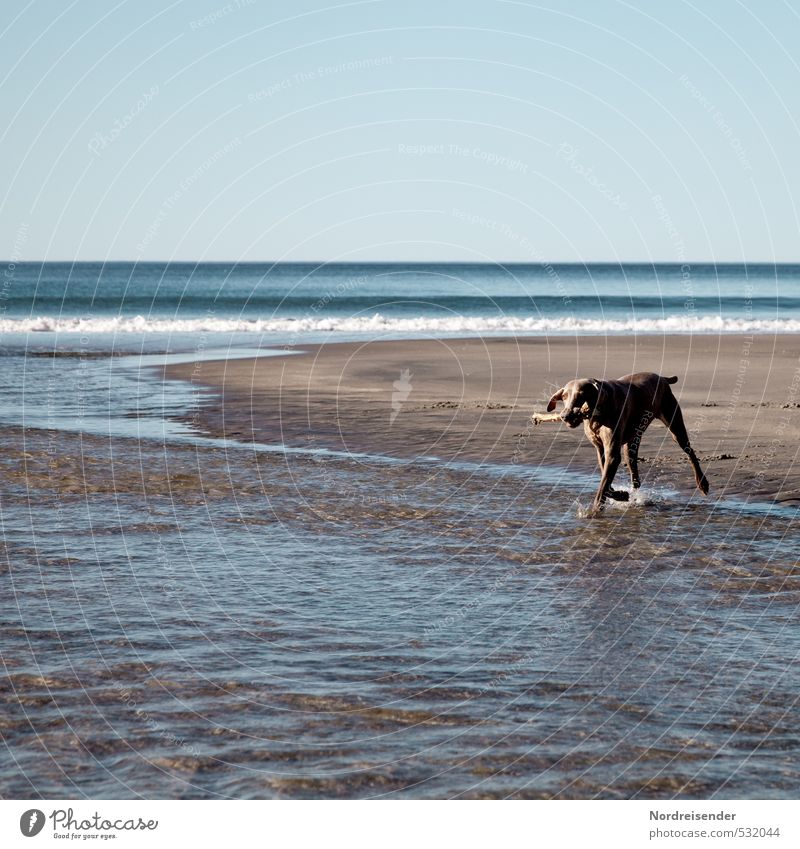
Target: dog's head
column 582, row 400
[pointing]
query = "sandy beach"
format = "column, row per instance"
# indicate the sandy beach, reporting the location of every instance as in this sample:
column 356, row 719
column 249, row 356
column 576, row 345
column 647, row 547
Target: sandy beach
column 471, row 399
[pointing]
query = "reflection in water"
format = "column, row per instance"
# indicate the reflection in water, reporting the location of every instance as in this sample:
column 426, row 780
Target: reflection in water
column 196, row 620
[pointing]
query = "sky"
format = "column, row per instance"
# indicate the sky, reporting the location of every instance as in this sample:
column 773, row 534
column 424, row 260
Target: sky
column 489, row 131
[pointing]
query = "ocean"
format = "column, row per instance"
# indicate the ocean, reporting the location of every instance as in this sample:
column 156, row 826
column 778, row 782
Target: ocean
column 289, row 298
column 194, row 617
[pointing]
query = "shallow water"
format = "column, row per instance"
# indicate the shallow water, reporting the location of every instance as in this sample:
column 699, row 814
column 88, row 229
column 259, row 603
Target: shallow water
column 202, row 619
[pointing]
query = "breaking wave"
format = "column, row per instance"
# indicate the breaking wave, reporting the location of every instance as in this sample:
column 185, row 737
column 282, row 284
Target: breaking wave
column 383, row 324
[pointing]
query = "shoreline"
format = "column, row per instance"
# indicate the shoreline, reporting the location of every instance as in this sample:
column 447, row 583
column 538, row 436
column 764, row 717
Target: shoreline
column 471, row 399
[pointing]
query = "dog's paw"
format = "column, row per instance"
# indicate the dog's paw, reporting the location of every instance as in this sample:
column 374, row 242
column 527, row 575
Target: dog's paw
column 618, row 494
column 702, row 485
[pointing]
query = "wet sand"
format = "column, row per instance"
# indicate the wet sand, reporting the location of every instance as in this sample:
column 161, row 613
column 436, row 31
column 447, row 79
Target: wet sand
column 471, row 399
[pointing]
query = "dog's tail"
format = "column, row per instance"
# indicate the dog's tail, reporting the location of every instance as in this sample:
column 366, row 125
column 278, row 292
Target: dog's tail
column 671, row 379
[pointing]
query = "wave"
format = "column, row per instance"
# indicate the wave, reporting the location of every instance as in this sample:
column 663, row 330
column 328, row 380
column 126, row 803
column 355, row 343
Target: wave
column 421, row 324
column 382, row 324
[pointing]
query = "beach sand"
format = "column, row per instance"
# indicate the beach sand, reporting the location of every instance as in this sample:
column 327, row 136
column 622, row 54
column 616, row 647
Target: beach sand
column 471, row 399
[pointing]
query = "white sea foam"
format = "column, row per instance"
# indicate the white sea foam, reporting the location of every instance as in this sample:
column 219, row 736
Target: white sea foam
column 382, row 324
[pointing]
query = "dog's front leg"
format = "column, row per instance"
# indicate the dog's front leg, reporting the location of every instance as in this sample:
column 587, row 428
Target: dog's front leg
column 613, row 457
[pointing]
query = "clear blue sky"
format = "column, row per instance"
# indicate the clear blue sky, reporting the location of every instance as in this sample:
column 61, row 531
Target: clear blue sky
column 408, row 130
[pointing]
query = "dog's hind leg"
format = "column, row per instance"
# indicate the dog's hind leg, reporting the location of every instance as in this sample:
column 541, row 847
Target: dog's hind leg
column 632, row 460
column 673, row 418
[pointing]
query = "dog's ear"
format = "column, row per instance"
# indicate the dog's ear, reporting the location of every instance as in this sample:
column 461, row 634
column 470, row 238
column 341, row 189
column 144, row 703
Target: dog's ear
column 551, row 404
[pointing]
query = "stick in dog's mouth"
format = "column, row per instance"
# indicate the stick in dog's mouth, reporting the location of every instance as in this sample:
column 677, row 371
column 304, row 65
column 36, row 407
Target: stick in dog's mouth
column 541, row 418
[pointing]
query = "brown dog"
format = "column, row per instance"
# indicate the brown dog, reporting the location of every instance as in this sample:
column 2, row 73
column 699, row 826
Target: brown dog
column 615, row 415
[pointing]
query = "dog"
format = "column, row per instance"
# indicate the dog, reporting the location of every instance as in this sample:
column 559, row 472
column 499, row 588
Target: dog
column 615, row 414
